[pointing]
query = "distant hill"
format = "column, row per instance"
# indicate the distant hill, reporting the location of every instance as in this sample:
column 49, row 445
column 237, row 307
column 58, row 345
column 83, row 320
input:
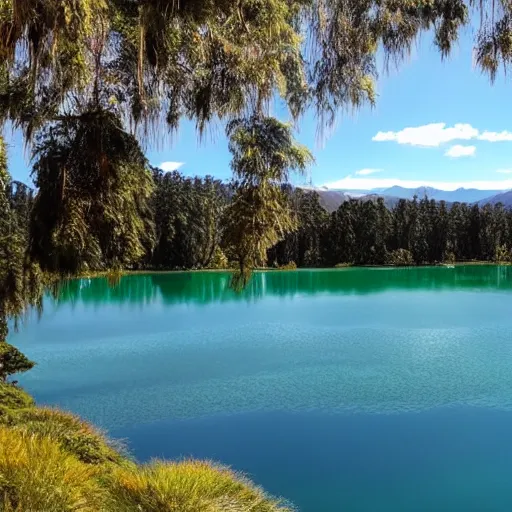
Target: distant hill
column 461, row 195
column 389, row 201
column 331, row 199
column 503, row 197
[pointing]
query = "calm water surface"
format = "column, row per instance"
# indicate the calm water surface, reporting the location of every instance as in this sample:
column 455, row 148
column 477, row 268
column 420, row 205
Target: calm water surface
column 350, row 390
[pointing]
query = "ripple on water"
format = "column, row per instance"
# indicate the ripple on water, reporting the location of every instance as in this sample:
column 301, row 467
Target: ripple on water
column 266, row 367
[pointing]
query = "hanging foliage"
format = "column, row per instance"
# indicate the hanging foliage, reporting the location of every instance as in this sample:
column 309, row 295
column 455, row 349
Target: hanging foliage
column 264, row 153
column 92, row 207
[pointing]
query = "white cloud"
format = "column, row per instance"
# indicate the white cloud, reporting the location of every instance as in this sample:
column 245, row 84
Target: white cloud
column 457, row 151
column 496, row 136
column 170, row 166
column 429, row 135
column 504, row 171
column 367, row 172
column 351, row 183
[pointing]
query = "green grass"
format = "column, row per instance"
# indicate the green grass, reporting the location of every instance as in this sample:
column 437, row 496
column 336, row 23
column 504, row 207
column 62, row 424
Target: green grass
column 13, row 398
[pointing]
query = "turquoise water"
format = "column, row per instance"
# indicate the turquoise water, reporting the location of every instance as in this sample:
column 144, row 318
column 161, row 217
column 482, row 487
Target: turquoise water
column 340, row 390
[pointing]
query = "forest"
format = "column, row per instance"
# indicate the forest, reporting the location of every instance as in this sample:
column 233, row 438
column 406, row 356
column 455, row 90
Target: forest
column 88, row 84
column 189, row 219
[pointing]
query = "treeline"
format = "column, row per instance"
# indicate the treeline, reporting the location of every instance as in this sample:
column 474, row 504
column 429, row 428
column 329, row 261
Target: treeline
column 421, row 231
column 188, row 217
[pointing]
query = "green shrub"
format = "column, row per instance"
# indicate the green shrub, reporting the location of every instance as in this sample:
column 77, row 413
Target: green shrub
column 37, row 476
column 12, row 361
column 13, row 397
column 400, row 258
column 291, row 265
column 191, row 486
column 75, row 436
column 449, row 257
column 219, row 260
column 502, row 254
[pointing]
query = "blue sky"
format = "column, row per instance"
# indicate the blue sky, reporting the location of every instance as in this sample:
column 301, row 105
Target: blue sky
column 437, row 123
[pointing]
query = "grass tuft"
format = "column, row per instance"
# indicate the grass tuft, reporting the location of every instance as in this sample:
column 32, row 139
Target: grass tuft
column 52, row 461
column 37, row 476
column 75, row 436
column 189, row 486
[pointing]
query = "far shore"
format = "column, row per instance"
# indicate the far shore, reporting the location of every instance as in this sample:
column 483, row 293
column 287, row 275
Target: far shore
column 111, row 273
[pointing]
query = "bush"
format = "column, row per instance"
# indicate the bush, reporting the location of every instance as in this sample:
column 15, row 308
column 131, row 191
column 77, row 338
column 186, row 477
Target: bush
column 190, row 486
column 12, row 361
column 342, row 265
column 75, row 436
column 291, row 265
column 449, row 257
column 400, row 258
column 502, row 254
column 219, row 260
column 12, row 398
column 36, row 476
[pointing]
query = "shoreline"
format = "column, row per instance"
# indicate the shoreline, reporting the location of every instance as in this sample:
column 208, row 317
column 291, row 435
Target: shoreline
column 120, row 273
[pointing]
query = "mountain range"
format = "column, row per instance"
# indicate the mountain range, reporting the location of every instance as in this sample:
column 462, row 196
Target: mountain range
column 331, row 199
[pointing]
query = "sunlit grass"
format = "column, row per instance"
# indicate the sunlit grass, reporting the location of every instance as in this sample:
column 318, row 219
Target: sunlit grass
column 189, row 486
column 75, row 436
column 37, row 476
column 52, row 461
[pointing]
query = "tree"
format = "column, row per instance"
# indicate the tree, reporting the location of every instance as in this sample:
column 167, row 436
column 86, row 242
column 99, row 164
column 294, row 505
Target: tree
column 12, row 361
column 91, row 212
column 187, row 216
column 503, row 254
column 148, row 63
column 19, row 283
column 400, row 258
column 264, row 153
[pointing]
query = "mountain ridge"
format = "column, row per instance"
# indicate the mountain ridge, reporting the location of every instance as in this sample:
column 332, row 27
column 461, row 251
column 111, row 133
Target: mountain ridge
column 331, row 199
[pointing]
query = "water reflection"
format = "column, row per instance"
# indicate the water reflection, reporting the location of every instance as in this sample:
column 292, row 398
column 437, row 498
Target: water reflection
column 210, row 287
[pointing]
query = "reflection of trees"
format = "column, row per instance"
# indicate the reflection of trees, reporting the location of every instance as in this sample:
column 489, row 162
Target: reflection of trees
column 136, row 289
column 211, row 287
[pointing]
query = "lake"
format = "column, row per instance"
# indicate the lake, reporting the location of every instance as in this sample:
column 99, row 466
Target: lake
column 340, row 390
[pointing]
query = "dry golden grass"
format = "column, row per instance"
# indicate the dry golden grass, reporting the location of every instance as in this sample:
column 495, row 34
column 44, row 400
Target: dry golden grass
column 37, row 476
column 52, row 461
column 75, row 436
column 190, row 486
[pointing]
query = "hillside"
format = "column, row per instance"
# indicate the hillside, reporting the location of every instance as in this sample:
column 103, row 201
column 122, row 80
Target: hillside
column 461, row 195
column 331, row 199
column 504, row 197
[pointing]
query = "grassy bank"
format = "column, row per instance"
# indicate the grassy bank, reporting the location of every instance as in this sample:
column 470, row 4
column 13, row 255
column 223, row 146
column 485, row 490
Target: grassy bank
column 52, row 461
